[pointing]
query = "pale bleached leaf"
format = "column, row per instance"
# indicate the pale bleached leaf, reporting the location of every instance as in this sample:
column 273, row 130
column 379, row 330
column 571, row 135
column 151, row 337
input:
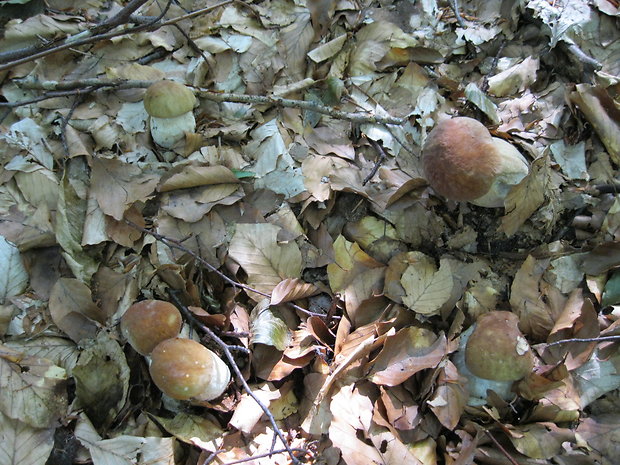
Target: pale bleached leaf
column 36, row 387
column 13, row 275
column 427, row 288
column 22, row 444
column 268, row 327
column 255, row 248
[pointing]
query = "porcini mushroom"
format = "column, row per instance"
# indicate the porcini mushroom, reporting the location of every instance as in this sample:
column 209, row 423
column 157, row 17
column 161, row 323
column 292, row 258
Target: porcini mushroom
column 169, row 105
column 462, row 162
column 186, row 370
column 492, row 355
column 149, row 322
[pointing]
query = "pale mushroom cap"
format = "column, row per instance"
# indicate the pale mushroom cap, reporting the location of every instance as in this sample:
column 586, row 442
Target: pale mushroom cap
column 186, row 370
column 168, row 99
column 462, row 162
column 149, row 322
column 497, row 349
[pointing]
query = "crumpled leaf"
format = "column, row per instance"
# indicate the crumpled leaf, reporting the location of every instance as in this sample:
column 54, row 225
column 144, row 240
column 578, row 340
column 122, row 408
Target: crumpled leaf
column 248, row 412
column 73, row 309
column 117, row 185
column 602, row 113
column 540, row 440
column 514, row 79
column 268, row 327
column 409, row 351
column 292, row 289
column 197, row 430
column 125, row 450
column 102, row 380
column 351, row 415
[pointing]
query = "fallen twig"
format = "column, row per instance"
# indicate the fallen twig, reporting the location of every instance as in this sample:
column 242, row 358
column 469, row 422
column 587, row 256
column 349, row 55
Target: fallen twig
column 174, row 244
column 355, row 117
column 584, row 339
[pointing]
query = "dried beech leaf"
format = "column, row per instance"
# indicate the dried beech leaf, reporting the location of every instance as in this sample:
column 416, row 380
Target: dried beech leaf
column 117, row 185
column 267, row 263
column 36, row 388
column 14, row 276
column 406, row 353
column 22, row 444
column 73, row 309
column 427, row 288
column 292, row 289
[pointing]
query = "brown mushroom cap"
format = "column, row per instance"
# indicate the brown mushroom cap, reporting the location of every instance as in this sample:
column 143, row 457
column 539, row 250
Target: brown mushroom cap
column 145, row 324
column 186, row 370
column 462, row 162
column 168, row 99
column 497, row 349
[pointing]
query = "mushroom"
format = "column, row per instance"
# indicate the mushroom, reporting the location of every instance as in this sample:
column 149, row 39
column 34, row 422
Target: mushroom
column 492, row 355
column 463, row 162
column 170, row 105
column 149, row 322
column 186, row 370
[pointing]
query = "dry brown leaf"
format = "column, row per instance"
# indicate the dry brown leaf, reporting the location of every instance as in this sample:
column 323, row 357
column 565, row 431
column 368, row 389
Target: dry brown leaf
column 409, row 351
column 292, row 289
column 73, row 309
column 117, row 185
column 267, row 263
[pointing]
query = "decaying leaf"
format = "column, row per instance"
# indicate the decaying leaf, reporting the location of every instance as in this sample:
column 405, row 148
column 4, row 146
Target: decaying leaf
column 256, row 249
column 426, row 287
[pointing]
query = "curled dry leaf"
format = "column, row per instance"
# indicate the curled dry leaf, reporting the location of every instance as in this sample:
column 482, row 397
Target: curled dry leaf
column 292, row 289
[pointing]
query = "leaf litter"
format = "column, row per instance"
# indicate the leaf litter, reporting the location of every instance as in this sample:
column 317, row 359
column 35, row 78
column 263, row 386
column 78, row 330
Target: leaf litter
column 296, row 226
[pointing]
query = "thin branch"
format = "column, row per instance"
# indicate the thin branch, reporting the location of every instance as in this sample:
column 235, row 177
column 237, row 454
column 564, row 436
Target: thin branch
column 354, row 117
column 501, row 448
column 220, row 97
column 454, row 6
column 118, row 19
column 174, row 244
column 586, row 339
column 85, row 38
column 231, row 360
column 380, row 159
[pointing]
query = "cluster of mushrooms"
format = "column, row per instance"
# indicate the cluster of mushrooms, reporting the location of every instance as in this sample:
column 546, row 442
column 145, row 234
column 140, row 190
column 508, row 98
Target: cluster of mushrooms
column 181, row 368
column 463, row 162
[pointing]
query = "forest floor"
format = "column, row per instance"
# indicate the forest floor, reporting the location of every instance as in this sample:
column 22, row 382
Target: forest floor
column 292, row 225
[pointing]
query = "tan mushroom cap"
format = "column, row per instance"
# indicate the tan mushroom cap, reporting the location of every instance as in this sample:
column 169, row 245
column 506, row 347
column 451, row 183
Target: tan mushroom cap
column 149, row 322
column 463, row 162
column 168, row 99
column 186, row 370
column 497, row 350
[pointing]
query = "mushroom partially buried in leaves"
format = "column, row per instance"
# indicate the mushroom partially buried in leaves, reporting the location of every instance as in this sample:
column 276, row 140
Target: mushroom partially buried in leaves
column 493, row 354
column 463, row 162
column 149, row 322
column 169, row 105
column 186, row 370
